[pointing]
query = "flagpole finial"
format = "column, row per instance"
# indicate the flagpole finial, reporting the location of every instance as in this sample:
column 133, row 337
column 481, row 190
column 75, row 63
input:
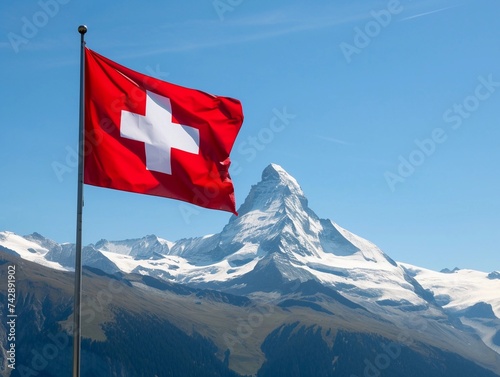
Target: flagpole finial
column 82, row 29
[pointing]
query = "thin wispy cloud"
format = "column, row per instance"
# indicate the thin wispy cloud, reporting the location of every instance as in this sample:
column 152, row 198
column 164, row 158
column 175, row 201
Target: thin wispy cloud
column 426, row 13
column 334, row 140
column 239, row 30
column 33, row 47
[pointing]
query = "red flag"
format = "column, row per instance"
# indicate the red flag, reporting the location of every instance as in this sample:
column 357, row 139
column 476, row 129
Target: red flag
column 151, row 137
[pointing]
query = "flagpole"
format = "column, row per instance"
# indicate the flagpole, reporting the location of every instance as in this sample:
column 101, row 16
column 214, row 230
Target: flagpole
column 82, row 29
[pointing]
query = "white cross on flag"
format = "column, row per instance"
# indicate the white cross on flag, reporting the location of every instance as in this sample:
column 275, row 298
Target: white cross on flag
column 159, row 134
column 151, row 137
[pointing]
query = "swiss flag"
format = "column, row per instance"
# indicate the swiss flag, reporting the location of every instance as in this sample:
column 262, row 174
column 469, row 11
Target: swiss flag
column 151, row 137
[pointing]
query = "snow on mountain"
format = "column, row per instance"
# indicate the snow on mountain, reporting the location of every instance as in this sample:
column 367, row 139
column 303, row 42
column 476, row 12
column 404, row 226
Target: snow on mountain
column 278, row 239
column 149, row 247
column 41, row 250
column 472, row 296
column 28, row 249
column 277, row 233
column 461, row 289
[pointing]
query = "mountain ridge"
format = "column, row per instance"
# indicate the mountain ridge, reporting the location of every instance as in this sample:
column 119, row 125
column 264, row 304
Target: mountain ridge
column 261, row 336
column 278, row 241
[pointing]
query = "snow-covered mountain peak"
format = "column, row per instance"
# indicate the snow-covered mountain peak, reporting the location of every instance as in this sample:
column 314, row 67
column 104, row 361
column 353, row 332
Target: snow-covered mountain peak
column 276, row 241
column 274, row 172
column 34, row 248
column 274, row 207
column 42, row 241
column 148, row 247
column 274, row 192
column 276, row 218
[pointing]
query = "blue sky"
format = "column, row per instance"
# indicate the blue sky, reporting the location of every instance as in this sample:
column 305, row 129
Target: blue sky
column 393, row 114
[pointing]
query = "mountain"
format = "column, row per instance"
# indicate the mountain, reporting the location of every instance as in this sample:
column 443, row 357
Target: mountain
column 471, row 296
column 323, row 283
column 136, row 325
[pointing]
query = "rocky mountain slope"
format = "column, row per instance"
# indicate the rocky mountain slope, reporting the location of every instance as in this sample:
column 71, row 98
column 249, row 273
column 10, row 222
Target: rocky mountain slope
column 313, row 272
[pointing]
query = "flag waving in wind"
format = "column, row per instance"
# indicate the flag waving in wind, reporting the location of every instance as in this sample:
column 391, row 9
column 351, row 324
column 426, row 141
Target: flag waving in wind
column 151, row 137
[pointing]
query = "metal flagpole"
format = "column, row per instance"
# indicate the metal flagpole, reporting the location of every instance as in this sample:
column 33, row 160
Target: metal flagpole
column 82, row 29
